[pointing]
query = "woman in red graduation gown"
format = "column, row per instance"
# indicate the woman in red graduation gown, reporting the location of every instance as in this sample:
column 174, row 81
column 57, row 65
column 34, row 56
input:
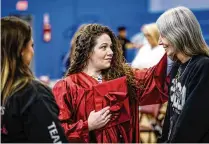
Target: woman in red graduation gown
column 100, row 94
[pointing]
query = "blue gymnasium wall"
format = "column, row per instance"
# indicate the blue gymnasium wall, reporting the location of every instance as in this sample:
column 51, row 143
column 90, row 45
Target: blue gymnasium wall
column 66, row 15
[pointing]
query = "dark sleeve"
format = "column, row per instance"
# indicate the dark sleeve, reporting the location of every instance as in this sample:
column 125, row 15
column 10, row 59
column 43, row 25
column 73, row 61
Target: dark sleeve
column 41, row 123
column 193, row 122
column 166, row 126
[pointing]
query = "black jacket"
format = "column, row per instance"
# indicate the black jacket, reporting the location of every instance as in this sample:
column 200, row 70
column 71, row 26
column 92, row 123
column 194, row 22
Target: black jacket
column 187, row 116
column 31, row 115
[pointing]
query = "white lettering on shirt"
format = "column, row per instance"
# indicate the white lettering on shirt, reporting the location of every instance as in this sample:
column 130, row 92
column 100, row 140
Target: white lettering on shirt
column 54, row 133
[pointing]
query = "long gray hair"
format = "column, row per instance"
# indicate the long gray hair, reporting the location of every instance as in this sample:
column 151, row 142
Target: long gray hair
column 181, row 28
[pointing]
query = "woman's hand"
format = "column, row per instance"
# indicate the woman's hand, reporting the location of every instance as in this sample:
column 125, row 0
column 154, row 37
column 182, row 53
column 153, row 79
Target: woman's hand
column 99, row 119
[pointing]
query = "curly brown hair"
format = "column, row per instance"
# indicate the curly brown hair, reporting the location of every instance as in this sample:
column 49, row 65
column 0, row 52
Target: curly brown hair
column 85, row 40
column 73, row 42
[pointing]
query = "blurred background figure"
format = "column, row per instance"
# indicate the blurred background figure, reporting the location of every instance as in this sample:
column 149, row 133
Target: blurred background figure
column 124, row 41
column 151, row 53
column 139, row 38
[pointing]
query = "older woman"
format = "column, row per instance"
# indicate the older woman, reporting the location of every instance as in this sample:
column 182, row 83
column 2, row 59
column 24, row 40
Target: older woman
column 187, row 118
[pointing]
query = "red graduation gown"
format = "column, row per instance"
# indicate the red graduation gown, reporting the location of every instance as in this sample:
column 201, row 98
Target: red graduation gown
column 78, row 94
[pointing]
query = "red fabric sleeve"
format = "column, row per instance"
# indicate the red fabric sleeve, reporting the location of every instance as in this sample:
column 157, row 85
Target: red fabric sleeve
column 76, row 131
column 152, row 83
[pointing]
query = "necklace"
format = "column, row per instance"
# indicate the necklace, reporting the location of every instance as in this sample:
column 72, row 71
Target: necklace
column 98, row 78
column 177, row 91
column 178, row 76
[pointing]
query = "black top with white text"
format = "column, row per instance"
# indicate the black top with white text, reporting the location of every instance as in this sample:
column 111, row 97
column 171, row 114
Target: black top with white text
column 187, row 116
column 31, row 115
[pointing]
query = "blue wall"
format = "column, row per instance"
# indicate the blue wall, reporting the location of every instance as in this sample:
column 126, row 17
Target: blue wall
column 66, row 15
